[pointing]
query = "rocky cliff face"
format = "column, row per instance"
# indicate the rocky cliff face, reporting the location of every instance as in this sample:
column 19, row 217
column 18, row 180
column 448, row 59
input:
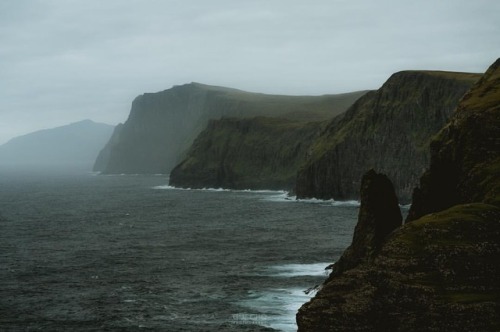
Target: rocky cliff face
column 379, row 215
column 162, row 126
column 257, row 153
column 465, row 157
column 440, row 271
column 388, row 130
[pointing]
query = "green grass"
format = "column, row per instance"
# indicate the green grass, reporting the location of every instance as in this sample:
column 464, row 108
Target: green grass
column 455, row 227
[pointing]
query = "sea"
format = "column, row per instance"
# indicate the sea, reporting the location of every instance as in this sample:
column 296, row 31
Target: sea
column 81, row 251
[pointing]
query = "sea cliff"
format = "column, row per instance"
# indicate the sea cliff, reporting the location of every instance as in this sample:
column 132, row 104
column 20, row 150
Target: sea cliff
column 257, row 153
column 439, row 271
column 162, row 126
column 388, row 130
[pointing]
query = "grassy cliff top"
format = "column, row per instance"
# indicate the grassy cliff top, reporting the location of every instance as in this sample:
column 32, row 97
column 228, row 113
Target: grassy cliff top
column 249, row 104
column 461, row 76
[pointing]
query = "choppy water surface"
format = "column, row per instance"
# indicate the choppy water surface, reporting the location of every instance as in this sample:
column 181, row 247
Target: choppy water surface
column 86, row 252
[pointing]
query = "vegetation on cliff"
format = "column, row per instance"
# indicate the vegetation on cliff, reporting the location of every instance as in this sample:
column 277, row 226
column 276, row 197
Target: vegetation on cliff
column 440, row 271
column 162, row 126
column 465, row 156
column 257, row 153
column 388, row 130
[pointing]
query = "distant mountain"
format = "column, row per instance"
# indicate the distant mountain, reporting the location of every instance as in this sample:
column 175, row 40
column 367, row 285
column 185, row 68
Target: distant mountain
column 162, row 126
column 388, row 130
column 73, row 145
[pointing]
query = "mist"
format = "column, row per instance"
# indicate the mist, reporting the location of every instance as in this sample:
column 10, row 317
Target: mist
column 71, row 147
column 63, row 61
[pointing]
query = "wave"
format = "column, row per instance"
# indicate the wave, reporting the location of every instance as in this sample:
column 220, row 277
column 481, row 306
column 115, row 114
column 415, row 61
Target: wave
column 330, row 202
column 284, row 197
column 263, row 191
column 169, row 187
column 100, row 173
column 299, row 270
column 276, row 307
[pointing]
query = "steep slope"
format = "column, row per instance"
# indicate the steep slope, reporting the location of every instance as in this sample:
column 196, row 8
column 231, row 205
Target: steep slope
column 162, row 126
column 76, row 144
column 257, row 153
column 466, row 154
column 388, row 130
column 439, row 272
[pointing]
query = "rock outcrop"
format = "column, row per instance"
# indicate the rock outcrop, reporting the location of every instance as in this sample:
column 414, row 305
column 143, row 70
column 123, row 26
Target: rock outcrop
column 162, row 126
column 388, row 130
column 465, row 157
column 440, row 271
column 257, row 153
column 379, row 215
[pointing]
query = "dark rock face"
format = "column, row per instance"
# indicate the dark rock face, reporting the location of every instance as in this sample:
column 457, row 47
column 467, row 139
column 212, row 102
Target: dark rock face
column 379, row 215
column 162, row 126
column 388, row 130
column 257, row 153
column 465, row 156
column 439, row 272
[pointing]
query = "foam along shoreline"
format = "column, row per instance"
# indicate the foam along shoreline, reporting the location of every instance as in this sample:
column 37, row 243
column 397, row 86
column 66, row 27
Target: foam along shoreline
column 278, row 195
column 284, row 197
column 300, row 270
column 169, row 187
column 276, row 308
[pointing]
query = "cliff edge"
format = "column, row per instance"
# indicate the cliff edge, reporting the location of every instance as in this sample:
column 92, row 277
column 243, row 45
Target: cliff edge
column 162, row 126
column 388, row 130
column 439, row 271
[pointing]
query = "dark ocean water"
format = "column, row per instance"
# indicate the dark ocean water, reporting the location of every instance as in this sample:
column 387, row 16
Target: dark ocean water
column 83, row 252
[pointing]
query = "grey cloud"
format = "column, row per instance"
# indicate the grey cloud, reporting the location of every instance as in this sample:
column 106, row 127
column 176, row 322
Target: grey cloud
column 65, row 60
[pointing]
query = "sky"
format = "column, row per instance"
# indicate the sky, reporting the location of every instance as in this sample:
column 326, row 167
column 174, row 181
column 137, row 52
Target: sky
column 63, row 61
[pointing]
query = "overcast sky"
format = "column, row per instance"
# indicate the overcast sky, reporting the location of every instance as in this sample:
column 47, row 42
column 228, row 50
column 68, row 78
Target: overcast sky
column 62, row 61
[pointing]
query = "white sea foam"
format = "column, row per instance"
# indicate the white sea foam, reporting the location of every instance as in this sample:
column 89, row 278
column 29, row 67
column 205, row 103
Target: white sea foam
column 284, row 197
column 298, row 270
column 330, row 202
column 276, row 308
column 346, row 203
column 169, row 187
column 279, row 197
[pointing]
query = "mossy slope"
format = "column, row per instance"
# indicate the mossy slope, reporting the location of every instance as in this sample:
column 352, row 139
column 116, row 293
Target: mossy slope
column 388, row 130
column 465, row 155
column 257, row 153
column 440, row 271
column 162, row 126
